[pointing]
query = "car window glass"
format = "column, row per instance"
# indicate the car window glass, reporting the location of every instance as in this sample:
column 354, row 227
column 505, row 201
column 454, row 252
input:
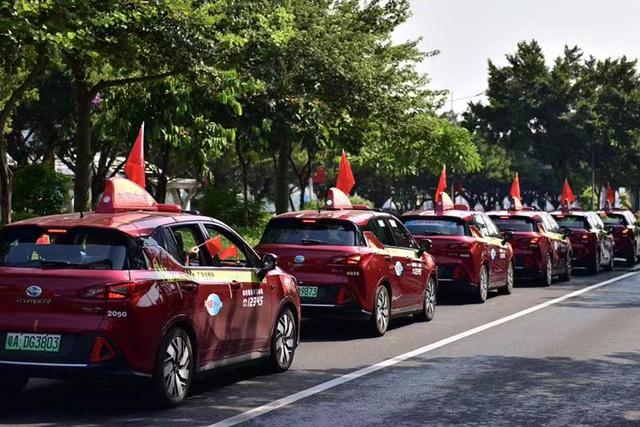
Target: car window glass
column 435, row 226
column 491, row 227
column 187, row 237
column 380, row 229
column 553, row 224
column 225, row 249
column 402, row 236
column 479, row 222
column 512, row 223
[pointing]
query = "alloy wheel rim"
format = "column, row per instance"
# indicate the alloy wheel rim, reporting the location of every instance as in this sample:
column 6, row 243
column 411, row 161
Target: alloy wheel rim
column 483, row 285
column 176, row 366
column 382, row 315
column 510, row 277
column 285, row 339
column 549, row 271
column 430, row 300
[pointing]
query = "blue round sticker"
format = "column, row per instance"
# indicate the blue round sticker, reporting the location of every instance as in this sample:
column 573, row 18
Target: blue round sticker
column 213, row 304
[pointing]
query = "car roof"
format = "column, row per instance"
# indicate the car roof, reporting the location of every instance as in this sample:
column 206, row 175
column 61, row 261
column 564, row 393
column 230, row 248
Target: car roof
column 133, row 223
column 524, row 212
column 357, row 216
column 572, row 213
column 453, row 213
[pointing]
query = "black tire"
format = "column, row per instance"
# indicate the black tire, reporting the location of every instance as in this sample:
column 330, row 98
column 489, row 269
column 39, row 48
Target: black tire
column 284, row 341
column 10, row 387
column 428, row 303
column 381, row 315
column 632, row 258
column 507, row 289
column 547, row 280
column 482, row 290
column 595, row 266
column 174, row 371
column 566, row 276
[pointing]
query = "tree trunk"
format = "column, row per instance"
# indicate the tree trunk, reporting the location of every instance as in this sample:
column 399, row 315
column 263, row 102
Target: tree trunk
column 84, row 158
column 282, row 176
column 245, row 181
column 163, row 177
column 5, row 179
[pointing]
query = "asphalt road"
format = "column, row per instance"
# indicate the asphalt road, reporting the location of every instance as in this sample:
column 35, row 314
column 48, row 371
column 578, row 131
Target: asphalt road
column 575, row 362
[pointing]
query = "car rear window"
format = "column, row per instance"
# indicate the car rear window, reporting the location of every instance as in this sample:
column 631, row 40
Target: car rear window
column 613, row 219
column 513, row 223
column 435, row 227
column 291, row 231
column 82, row 248
column 572, row 221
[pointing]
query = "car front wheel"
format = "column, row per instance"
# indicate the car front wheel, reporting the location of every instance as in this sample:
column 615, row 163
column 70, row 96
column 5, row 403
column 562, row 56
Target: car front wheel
column 507, row 289
column 283, row 342
column 548, row 274
column 429, row 302
column 174, row 368
column 483, row 285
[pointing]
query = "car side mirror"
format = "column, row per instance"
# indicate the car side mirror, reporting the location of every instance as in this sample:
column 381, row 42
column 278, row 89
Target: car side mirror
column 269, row 262
column 507, row 236
column 425, row 246
column 566, row 232
column 372, row 240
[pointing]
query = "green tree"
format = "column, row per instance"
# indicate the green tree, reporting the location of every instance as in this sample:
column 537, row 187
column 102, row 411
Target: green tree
column 38, row 190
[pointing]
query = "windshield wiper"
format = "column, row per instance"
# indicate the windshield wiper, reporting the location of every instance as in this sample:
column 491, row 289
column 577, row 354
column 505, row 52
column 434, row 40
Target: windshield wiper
column 312, row 242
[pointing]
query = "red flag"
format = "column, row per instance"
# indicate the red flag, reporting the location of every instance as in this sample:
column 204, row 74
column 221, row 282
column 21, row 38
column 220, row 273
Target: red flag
column 442, row 184
column 230, row 252
column 611, row 196
column 134, row 168
column 515, row 187
column 214, row 245
column 345, row 181
column 320, row 175
column 567, row 195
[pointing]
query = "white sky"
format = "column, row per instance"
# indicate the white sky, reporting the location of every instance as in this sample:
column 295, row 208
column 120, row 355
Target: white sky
column 468, row 32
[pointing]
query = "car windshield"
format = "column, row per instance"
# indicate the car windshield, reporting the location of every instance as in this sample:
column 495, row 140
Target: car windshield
column 572, row 221
column 289, row 231
column 84, row 248
column 513, row 223
column 435, row 227
column 613, row 219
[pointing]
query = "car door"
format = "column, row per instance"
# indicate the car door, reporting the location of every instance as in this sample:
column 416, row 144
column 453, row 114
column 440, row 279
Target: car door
column 605, row 238
column 559, row 244
column 491, row 249
column 209, row 302
column 252, row 299
column 414, row 274
column 500, row 260
column 393, row 261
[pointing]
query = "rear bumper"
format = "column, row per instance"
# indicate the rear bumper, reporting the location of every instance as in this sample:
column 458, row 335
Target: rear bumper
column 528, row 265
column 334, row 311
column 68, row 370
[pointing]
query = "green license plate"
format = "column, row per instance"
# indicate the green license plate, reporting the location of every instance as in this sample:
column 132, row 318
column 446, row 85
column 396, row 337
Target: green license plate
column 32, row 342
column 308, row 291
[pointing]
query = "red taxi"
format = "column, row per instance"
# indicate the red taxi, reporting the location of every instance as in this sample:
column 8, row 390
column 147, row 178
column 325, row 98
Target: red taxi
column 468, row 248
column 592, row 245
column 540, row 247
column 138, row 288
column 626, row 233
column 353, row 262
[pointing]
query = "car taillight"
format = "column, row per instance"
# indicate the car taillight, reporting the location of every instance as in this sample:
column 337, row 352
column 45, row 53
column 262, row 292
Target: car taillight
column 533, row 242
column 101, row 351
column 346, row 259
column 626, row 231
column 116, row 291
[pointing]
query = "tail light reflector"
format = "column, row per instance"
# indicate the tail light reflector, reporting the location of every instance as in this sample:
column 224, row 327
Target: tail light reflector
column 353, row 259
column 116, row 291
column 101, row 351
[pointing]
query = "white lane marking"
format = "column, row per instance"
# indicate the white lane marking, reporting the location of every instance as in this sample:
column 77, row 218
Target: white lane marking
column 285, row 401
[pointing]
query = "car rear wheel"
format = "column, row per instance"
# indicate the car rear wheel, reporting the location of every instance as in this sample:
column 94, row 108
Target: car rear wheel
column 595, row 268
column 548, row 273
column 566, row 276
column 174, row 368
column 612, row 262
column 429, row 302
column 483, row 285
column 507, row 289
column 632, row 258
column 283, row 342
column 381, row 312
